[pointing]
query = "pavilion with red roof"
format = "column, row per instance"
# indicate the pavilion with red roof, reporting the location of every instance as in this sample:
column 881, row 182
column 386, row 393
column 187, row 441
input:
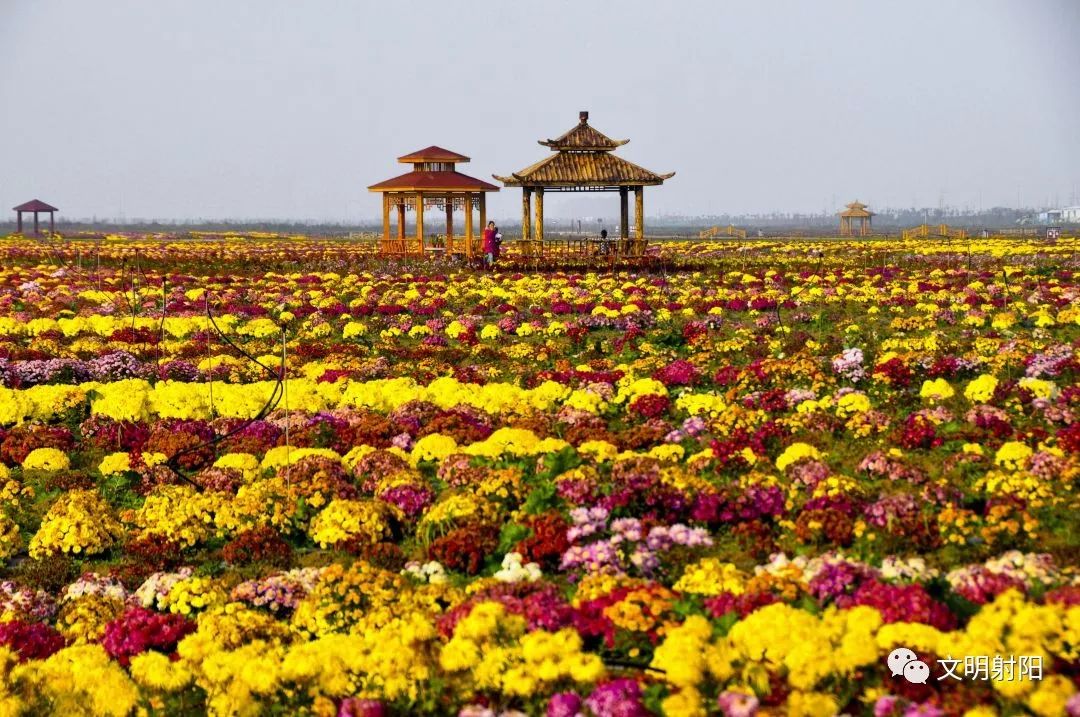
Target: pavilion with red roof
column 434, row 182
column 35, row 207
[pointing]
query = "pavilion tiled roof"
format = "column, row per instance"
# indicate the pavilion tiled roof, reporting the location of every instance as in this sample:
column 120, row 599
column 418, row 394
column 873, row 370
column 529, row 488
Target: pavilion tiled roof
column 584, row 169
column 432, row 154
column 433, row 182
column 35, row 205
column 584, row 137
column 856, row 209
column 583, row 158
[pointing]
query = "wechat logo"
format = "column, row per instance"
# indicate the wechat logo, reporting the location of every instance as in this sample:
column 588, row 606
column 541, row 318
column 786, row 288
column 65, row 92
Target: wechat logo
column 903, row 661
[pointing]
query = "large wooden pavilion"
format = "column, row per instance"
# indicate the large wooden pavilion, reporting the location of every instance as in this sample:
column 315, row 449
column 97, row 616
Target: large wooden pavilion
column 434, row 182
column 35, row 207
column 856, row 211
column 583, row 162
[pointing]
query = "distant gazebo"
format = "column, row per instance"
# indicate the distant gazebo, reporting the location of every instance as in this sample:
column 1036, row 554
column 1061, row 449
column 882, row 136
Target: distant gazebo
column 36, row 206
column 583, row 162
column 434, row 182
column 858, row 211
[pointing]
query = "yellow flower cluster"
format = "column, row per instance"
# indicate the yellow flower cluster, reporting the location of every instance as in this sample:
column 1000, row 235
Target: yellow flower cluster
column 38, row 403
column 342, row 520
column 114, row 464
column 489, row 651
column 362, row 597
column 79, row 522
column 10, row 539
column 46, row 459
column 245, row 463
column 937, row 389
column 711, row 576
column 78, row 680
column 156, row 672
column 451, row 509
column 795, row 453
column 981, row 389
column 192, row 595
column 1013, row 455
column 177, row 513
column 82, row 620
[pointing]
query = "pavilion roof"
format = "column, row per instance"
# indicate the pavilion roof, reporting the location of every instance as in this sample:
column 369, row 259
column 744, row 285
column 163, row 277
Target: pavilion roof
column 570, row 169
column 583, row 137
column 35, row 205
column 856, row 209
column 583, row 158
column 432, row 154
column 433, row 182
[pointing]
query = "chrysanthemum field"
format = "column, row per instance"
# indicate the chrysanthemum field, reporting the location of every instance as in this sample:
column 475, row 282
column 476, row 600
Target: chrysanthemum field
column 279, row 475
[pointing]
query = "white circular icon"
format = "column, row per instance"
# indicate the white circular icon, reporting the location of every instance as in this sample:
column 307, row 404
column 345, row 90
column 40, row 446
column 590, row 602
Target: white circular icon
column 898, row 658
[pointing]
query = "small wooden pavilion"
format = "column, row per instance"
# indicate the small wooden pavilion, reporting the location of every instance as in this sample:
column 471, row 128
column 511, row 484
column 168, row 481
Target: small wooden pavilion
column 583, row 161
column 433, row 183
column 35, row 207
column 858, row 211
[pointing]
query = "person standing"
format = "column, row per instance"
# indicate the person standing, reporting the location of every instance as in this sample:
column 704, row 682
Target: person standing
column 488, row 245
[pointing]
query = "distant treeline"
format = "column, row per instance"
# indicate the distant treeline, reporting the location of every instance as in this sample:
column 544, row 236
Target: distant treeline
column 885, row 220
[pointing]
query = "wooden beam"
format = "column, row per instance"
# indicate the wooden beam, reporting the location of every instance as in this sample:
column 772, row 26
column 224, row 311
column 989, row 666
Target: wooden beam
column 539, row 214
column 420, row 223
column 526, row 213
column 385, row 220
column 401, row 222
column 639, row 212
column 449, row 223
column 468, row 226
column 624, row 213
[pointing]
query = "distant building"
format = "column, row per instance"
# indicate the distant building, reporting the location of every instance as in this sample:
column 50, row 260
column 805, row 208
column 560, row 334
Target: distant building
column 1065, row 215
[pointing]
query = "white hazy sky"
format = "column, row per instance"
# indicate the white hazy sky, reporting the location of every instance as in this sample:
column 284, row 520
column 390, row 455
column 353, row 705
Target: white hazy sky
column 279, row 109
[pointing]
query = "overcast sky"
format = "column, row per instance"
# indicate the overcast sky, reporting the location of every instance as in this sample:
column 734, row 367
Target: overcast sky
column 262, row 109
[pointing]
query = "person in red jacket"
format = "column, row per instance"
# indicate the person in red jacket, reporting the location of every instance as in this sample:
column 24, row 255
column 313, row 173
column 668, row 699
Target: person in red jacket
column 489, row 244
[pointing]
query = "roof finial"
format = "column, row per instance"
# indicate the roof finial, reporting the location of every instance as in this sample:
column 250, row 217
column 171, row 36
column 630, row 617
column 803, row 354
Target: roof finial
column 583, row 116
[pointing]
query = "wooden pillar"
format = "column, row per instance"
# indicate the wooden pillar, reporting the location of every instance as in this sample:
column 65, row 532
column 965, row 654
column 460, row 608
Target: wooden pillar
column 52, row 223
column 401, row 223
column 18, row 222
column 385, row 220
column 36, row 232
column 420, row 223
column 624, row 213
column 639, row 212
column 449, row 223
column 539, row 214
column 483, row 211
column 526, row 213
column 468, row 226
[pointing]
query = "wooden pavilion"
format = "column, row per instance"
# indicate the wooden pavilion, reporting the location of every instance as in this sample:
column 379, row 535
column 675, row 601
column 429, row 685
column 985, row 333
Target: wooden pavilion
column 434, row 183
column 35, row 207
column 855, row 210
column 583, row 162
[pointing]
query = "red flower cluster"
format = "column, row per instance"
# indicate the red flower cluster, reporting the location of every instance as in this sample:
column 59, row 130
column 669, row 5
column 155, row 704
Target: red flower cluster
column 139, row 630
column 547, row 542
column 650, row 405
column 262, row 544
column 32, row 640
